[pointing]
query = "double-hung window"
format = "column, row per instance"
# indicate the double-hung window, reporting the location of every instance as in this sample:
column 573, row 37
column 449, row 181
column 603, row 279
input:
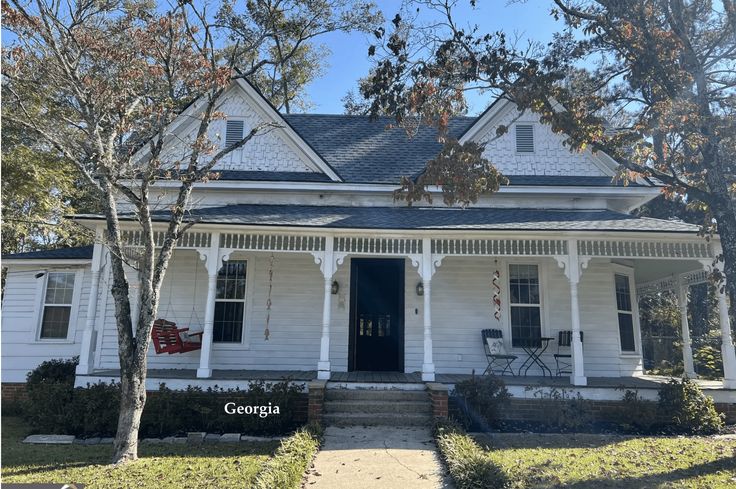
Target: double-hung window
column 230, row 302
column 526, row 308
column 57, row 305
column 625, row 313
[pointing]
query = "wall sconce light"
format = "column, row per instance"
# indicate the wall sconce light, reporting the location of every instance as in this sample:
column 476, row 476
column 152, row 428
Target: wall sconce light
column 420, row 288
column 335, row 287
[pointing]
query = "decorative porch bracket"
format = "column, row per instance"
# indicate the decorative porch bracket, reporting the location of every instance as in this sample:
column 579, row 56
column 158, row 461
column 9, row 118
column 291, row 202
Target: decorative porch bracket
column 328, row 262
column 212, row 258
column 573, row 266
column 426, row 264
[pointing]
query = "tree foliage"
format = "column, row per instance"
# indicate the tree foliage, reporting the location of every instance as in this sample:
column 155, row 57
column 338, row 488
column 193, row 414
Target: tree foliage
column 99, row 83
column 665, row 68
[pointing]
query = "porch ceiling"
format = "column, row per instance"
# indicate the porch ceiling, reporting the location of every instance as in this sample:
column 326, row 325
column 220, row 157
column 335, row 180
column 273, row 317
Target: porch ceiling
column 651, row 270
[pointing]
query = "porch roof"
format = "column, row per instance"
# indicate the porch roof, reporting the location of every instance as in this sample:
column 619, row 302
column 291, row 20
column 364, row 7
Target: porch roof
column 428, row 218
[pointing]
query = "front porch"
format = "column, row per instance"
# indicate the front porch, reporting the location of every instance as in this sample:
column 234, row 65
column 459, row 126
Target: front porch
column 448, row 295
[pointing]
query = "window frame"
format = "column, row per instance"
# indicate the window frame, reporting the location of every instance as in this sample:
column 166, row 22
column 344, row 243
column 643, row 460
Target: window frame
column 250, row 267
column 534, row 138
column 508, row 330
column 41, row 288
column 629, row 274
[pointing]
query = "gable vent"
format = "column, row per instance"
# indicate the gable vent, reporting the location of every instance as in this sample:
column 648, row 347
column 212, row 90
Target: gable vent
column 524, row 138
column 234, row 132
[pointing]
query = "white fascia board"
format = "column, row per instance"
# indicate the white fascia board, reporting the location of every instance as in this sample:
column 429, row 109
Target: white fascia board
column 480, row 125
column 614, row 192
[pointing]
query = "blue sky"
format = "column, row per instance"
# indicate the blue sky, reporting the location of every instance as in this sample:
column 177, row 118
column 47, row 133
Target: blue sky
column 349, row 60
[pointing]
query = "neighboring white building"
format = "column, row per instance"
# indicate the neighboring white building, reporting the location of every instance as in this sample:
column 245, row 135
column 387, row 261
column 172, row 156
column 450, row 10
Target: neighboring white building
column 357, row 281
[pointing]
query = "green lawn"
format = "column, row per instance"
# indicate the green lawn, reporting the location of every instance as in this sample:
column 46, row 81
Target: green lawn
column 592, row 461
column 160, row 466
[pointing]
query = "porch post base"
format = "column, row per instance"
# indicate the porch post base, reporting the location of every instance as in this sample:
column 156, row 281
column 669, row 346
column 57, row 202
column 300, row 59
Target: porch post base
column 428, row 372
column 323, row 374
column 204, row 373
column 729, row 383
column 578, row 380
column 83, row 369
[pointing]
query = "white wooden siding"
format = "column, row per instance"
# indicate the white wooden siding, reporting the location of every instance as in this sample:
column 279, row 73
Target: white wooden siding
column 20, row 351
column 461, row 307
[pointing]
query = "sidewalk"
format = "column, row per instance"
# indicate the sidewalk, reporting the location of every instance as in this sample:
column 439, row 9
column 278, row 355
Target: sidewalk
column 376, row 457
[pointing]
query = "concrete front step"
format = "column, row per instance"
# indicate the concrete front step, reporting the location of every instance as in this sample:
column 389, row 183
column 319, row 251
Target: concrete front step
column 377, row 419
column 387, row 407
column 375, row 395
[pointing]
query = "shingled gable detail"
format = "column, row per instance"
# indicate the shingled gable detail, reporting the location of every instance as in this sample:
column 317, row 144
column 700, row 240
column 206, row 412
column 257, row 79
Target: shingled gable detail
column 275, row 150
column 551, row 156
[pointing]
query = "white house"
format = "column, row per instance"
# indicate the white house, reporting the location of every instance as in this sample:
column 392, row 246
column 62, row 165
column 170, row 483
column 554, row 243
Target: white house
column 303, row 219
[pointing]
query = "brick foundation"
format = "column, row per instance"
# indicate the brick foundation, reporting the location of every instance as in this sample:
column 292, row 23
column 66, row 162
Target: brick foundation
column 440, row 402
column 316, row 403
column 537, row 410
column 13, row 391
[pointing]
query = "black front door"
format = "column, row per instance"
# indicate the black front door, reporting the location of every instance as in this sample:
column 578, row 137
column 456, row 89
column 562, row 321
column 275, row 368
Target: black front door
column 376, row 314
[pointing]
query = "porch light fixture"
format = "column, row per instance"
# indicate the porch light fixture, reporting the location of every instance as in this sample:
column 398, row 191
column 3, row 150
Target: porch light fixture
column 335, row 287
column 420, row 288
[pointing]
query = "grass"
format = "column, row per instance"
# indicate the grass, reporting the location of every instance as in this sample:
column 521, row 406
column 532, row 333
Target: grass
column 286, row 469
column 595, row 461
column 160, row 466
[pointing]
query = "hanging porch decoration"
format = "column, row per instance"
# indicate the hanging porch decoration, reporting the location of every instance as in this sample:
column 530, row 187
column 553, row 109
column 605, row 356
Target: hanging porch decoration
column 495, row 285
column 165, row 336
column 266, row 332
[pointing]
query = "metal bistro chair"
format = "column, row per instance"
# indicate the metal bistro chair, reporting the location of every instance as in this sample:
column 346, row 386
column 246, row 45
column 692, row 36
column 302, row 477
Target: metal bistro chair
column 496, row 359
column 564, row 360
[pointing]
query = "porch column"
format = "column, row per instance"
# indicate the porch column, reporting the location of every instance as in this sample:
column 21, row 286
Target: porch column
column 573, row 274
column 212, row 259
column 428, row 363
column 687, row 350
column 727, row 348
column 86, row 355
column 328, row 270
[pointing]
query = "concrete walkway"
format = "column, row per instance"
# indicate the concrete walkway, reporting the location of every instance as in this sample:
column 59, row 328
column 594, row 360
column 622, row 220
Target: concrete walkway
column 377, row 456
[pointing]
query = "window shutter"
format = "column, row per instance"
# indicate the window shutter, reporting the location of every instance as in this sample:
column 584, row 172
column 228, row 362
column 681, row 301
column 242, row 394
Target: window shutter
column 233, row 133
column 524, row 138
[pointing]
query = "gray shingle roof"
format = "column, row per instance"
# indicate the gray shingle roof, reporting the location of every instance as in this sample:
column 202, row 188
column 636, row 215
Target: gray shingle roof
column 439, row 218
column 74, row 253
column 365, row 151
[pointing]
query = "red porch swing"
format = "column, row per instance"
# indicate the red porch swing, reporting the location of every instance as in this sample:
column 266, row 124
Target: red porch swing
column 167, row 338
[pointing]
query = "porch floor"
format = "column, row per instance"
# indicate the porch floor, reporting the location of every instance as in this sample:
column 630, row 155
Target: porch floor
column 640, row 382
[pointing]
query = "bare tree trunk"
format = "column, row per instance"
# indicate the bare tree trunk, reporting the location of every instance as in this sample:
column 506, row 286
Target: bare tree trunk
column 132, row 401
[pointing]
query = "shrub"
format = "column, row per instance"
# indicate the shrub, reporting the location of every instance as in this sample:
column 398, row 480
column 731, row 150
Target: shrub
column 57, row 371
column 708, row 362
column 687, row 409
column 485, row 395
column 93, row 411
column 565, row 411
column 467, row 463
column 286, row 468
column 636, row 414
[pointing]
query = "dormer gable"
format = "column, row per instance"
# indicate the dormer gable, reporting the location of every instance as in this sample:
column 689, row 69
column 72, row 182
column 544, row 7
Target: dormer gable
column 274, row 150
column 529, row 147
